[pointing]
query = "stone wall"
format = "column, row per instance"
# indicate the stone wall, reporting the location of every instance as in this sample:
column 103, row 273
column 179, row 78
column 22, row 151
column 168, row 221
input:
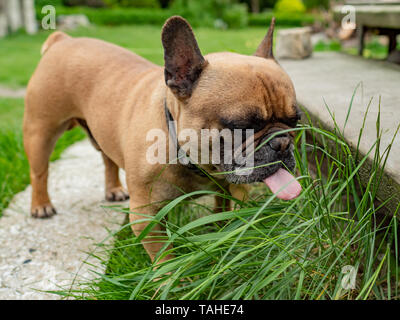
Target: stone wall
column 17, row 14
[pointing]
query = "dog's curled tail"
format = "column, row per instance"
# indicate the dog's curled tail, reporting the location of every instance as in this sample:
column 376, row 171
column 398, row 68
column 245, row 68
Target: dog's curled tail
column 53, row 38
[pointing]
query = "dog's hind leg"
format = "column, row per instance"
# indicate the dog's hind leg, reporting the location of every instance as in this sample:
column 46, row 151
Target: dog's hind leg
column 39, row 142
column 114, row 189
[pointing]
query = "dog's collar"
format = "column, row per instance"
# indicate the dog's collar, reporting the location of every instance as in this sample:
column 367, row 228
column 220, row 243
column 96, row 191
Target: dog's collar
column 172, row 132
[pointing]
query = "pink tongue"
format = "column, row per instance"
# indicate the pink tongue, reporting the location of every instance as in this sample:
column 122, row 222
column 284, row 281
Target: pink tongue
column 284, row 185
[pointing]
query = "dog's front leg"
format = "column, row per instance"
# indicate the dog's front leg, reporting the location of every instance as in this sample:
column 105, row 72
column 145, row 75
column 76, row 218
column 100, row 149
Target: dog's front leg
column 114, row 189
column 155, row 239
column 240, row 191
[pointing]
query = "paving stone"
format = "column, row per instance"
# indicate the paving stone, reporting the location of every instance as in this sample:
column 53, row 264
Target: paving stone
column 52, row 254
column 294, row 43
column 6, row 92
column 333, row 77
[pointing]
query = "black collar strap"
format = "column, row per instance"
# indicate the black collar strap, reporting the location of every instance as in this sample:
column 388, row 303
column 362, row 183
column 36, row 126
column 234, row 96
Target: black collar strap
column 181, row 153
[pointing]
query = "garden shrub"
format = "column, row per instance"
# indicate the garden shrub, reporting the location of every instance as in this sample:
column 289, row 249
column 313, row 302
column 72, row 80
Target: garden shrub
column 310, row 4
column 236, row 16
column 42, row 3
column 207, row 12
column 133, row 3
column 116, row 16
column 197, row 12
column 88, row 3
column 263, row 4
column 290, row 6
column 282, row 19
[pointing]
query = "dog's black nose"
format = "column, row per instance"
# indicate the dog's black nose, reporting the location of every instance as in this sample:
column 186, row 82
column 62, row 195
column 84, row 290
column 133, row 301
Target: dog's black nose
column 280, row 143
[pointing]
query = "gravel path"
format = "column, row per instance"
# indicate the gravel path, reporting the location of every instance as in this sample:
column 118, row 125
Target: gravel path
column 6, row 92
column 49, row 254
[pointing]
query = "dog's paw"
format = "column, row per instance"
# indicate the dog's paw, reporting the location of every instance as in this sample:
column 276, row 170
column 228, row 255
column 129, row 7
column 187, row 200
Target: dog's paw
column 117, row 194
column 43, row 211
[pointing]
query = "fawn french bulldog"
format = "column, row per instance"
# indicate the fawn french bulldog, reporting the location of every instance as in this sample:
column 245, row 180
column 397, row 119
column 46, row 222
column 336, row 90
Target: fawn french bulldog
column 118, row 96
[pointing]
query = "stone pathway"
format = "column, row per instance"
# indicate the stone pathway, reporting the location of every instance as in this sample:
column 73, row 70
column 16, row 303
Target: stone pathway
column 50, row 254
column 332, row 77
column 6, row 92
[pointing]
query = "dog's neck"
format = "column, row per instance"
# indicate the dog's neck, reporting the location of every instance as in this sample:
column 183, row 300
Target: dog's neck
column 174, row 138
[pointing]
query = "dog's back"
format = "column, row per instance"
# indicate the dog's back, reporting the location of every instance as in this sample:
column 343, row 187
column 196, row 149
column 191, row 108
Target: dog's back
column 82, row 65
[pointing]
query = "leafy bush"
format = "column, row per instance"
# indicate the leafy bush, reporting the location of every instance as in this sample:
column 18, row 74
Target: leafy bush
column 263, row 4
column 198, row 13
column 206, row 12
column 89, row 3
column 116, row 16
column 316, row 4
column 133, row 3
column 236, row 16
column 290, row 6
column 282, row 19
column 42, row 3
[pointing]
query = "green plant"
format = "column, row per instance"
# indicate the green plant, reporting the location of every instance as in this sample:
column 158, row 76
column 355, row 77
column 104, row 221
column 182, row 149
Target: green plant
column 133, row 3
column 206, row 12
column 262, row 4
column 310, row 4
column 331, row 45
column 290, row 6
column 266, row 248
column 236, row 16
column 41, row 3
column 116, row 16
column 282, row 19
column 89, row 3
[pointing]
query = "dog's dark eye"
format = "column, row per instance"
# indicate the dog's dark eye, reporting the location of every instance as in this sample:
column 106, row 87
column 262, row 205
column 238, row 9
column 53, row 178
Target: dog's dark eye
column 292, row 122
column 252, row 121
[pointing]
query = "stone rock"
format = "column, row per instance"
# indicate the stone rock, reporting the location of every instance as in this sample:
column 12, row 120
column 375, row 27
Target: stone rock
column 294, row 43
column 73, row 21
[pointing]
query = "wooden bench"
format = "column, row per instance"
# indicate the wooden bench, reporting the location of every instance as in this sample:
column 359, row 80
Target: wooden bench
column 382, row 16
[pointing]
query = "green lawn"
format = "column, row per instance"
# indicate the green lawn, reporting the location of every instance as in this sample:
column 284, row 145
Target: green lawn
column 20, row 53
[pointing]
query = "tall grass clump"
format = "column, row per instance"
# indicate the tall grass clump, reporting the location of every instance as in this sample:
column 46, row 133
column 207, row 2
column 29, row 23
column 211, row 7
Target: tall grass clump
column 266, row 248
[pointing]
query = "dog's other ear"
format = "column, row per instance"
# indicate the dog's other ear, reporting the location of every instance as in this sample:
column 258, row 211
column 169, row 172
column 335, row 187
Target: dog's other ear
column 265, row 49
column 183, row 60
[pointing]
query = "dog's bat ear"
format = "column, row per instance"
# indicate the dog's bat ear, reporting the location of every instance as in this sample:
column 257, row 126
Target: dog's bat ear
column 265, row 49
column 183, row 59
